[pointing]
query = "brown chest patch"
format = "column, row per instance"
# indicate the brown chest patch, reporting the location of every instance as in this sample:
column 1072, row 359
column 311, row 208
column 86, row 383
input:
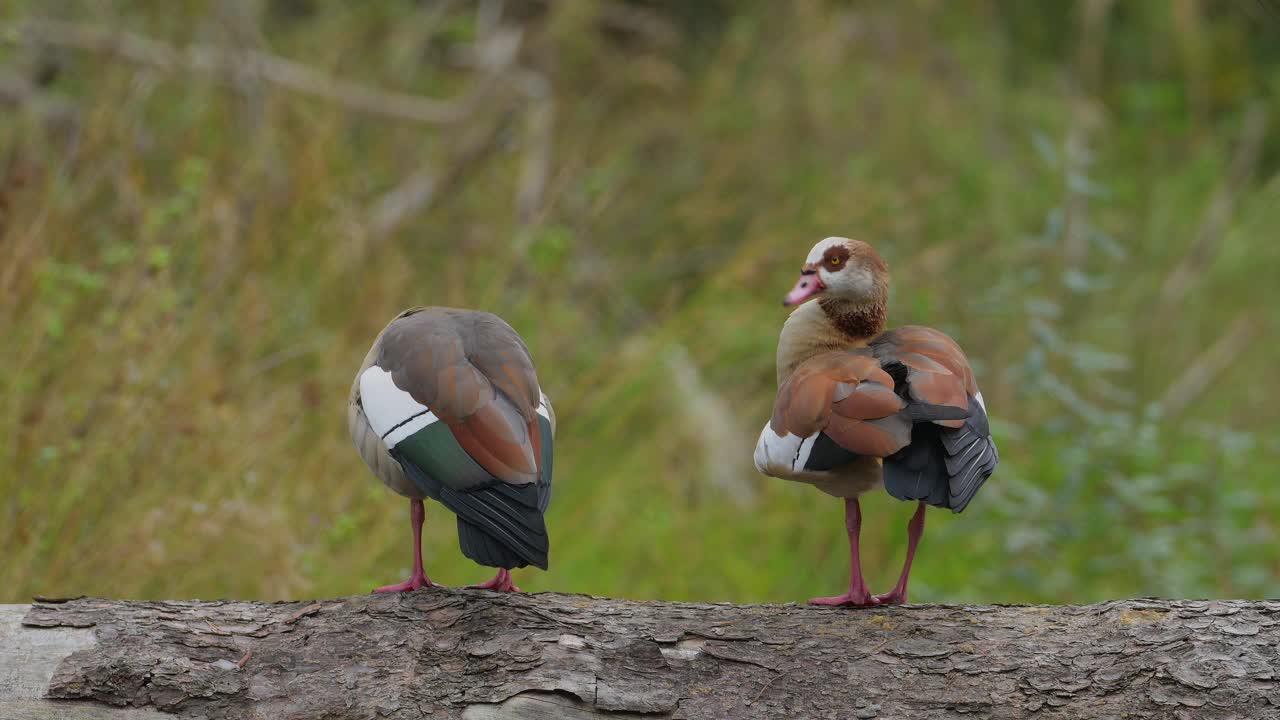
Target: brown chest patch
column 858, row 322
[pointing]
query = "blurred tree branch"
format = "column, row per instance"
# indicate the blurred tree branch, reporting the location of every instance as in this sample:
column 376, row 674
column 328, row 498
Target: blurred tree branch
column 1218, row 215
column 498, row 54
column 1208, row 366
column 417, row 192
column 55, row 110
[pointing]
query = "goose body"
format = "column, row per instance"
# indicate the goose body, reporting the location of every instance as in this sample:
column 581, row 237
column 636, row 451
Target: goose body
column 447, row 406
column 860, row 407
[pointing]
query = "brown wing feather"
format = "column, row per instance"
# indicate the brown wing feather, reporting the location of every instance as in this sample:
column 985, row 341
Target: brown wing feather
column 803, row 410
column 868, row 401
column 497, row 351
column 511, row 460
column 835, row 392
column 473, row 371
column 938, row 372
column 929, row 343
column 850, row 396
column 535, row 436
column 865, row 438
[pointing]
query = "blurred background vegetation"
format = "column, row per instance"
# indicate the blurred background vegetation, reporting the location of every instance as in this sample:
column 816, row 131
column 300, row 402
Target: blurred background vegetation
column 208, row 210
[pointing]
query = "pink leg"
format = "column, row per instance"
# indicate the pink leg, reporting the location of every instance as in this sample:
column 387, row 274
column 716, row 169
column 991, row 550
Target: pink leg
column 500, row 582
column 915, row 529
column 419, row 578
column 858, row 594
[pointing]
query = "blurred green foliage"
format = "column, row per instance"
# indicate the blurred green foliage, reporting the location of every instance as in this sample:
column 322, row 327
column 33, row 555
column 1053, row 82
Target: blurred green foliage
column 1085, row 195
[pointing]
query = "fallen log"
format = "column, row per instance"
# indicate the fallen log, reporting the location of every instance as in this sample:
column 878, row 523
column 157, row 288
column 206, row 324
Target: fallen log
column 481, row 656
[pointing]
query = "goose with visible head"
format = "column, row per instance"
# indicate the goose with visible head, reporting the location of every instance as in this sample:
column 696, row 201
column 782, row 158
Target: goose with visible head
column 859, row 406
column 447, row 406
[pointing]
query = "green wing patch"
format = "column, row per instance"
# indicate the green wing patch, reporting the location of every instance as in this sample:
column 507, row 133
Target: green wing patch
column 437, row 453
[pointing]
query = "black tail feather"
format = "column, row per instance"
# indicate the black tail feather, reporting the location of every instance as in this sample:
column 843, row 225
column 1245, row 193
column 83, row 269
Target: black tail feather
column 508, row 514
column 919, row 471
column 980, row 461
column 971, row 455
column 482, row 548
column 499, row 525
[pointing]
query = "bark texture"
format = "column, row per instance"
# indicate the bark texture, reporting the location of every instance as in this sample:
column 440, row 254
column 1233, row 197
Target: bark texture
column 478, row 655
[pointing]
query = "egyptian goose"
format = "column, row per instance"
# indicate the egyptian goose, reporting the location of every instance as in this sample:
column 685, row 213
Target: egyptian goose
column 859, row 406
column 447, row 405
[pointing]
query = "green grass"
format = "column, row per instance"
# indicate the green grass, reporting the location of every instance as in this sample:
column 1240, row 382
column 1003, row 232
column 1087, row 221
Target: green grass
column 188, row 283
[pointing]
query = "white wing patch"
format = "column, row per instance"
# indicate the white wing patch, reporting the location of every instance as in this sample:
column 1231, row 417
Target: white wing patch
column 392, row 412
column 782, row 456
column 403, row 431
column 542, row 407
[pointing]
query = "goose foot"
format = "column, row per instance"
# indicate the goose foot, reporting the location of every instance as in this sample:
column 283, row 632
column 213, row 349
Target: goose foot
column 500, row 583
column 417, row 582
column 849, row 599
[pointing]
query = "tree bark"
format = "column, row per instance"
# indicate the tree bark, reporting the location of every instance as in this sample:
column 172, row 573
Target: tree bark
column 482, row 656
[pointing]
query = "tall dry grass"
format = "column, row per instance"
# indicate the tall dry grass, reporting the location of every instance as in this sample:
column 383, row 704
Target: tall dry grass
column 192, row 265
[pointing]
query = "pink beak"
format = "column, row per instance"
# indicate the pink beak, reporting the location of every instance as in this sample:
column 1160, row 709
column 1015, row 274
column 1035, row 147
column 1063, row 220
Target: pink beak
column 808, row 286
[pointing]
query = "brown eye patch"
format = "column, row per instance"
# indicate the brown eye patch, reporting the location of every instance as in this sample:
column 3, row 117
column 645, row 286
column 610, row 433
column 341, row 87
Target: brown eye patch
column 836, row 256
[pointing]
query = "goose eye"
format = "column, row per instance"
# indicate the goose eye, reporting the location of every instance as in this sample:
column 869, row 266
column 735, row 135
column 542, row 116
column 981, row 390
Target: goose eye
column 835, row 261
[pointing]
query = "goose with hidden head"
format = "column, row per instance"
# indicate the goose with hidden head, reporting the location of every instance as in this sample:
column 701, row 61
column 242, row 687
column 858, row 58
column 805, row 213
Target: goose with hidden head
column 859, row 406
column 447, row 406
